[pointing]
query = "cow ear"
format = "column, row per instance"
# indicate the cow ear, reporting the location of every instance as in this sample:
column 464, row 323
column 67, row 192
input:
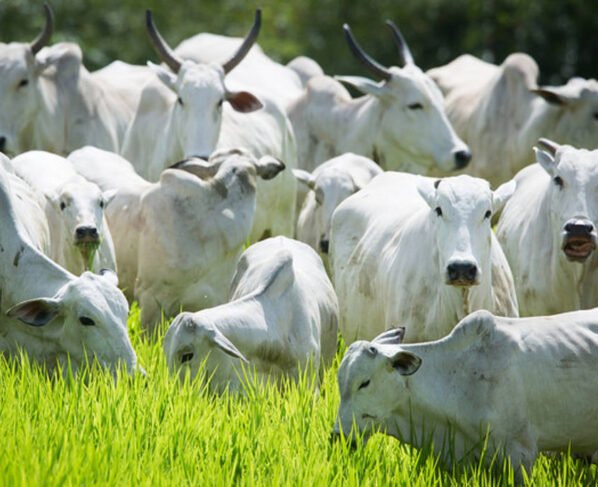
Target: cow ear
column 365, row 85
column 224, row 344
column 305, row 178
column 108, row 196
column 391, row 337
column 165, row 76
column 427, row 190
column 405, row 363
column 35, row 312
column 243, row 101
column 110, row 276
column 281, row 277
column 546, row 160
column 268, row 167
column 502, row 195
column 560, row 95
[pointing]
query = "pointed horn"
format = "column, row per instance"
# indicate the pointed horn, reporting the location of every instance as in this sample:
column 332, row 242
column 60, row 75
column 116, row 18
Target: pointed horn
column 246, row 45
column 366, row 60
column 549, row 146
column 44, row 37
column 165, row 53
column 404, row 52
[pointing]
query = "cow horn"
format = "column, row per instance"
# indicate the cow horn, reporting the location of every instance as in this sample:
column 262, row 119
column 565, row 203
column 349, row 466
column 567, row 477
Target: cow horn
column 165, row 53
column 366, row 60
column 246, row 45
column 44, row 37
column 404, row 51
column 549, row 146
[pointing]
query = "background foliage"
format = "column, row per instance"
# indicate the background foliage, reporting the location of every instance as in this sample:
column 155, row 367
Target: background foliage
column 559, row 34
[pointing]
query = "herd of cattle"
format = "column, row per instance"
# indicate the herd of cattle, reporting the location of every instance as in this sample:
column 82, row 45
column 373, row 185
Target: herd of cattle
column 163, row 174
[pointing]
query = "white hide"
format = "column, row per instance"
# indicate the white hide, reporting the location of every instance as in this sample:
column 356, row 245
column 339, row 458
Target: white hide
column 52, row 315
column 411, row 251
column 178, row 240
column 75, row 211
column 532, row 232
column 281, row 318
column 490, row 104
column 530, row 383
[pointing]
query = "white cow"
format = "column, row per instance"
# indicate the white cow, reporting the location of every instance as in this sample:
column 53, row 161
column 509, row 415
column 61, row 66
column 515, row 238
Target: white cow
column 55, row 317
column 79, row 236
column 281, row 318
column 530, row 384
column 329, row 185
column 400, row 123
column 178, row 240
column 500, row 111
column 407, row 250
column 548, row 231
column 183, row 114
column 48, row 100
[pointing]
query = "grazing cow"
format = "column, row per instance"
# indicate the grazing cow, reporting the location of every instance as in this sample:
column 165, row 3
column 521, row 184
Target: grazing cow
column 79, row 236
column 548, row 231
column 421, row 253
column 178, row 240
column 281, row 318
column 182, row 114
column 490, row 104
column 400, row 123
column 529, row 384
column 49, row 101
column 328, row 186
column 53, row 316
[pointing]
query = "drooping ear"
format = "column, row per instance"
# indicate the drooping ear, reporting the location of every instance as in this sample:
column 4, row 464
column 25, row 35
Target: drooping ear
column 502, row 195
column 268, row 167
column 304, row 178
column 36, row 312
column 427, row 190
column 243, row 101
column 546, row 160
column 365, row 85
column 164, row 75
column 224, row 344
column 405, row 363
column 110, row 276
column 391, row 337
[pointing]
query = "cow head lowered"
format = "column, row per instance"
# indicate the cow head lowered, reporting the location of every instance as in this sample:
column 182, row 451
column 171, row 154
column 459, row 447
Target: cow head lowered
column 201, row 91
column 571, row 196
column 461, row 211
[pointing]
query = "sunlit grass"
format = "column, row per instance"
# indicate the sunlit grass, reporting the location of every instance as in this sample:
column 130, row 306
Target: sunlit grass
column 90, row 430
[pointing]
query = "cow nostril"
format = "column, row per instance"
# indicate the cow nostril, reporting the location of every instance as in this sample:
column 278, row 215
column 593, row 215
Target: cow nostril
column 324, row 245
column 2, row 143
column 462, row 158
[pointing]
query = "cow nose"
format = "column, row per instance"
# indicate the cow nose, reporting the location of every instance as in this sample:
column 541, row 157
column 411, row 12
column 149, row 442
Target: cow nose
column 580, row 227
column 324, row 245
column 86, row 232
column 2, row 143
column 462, row 158
column 462, row 272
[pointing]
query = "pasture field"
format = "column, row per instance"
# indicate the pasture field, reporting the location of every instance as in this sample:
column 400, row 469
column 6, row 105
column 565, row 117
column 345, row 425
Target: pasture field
column 155, row 431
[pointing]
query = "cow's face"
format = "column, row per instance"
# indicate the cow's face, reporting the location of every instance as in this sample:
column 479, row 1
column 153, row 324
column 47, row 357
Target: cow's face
column 201, row 94
column 573, row 199
column 192, row 344
column 461, row 211
column 86, row 317
column 372, row 384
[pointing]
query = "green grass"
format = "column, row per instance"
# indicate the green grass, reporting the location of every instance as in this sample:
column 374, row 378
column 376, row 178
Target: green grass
column 89, row 430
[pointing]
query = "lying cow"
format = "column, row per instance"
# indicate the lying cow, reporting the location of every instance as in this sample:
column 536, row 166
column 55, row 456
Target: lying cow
column 548, row 231
column 56, row 318
column 178, row 240
column 530, row 384
column 282, row 317
column 79, row 235
column 418, row 252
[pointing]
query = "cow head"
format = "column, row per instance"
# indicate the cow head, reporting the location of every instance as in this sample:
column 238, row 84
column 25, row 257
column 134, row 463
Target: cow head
column 414, row 125
column 572, row 196
column 193, row 342
column 87, row 317
column 461, row 209
column 372, row 381
column 201, row 92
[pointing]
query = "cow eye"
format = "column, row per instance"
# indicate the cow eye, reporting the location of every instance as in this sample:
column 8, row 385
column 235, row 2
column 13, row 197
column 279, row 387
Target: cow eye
column 62, row 205
column 220, row 102
column 363, row 385
column 415, row 106
column 85, row 321
column 558, row 181
column 186, row 357
column 23, row 82
column 488, row 214
column 596, row 116
column 179, row 101
column 438, row 210
column 102, row 204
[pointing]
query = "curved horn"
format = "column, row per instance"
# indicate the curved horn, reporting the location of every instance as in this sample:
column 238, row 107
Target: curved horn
column 404, row 51
column 44, row 37
column 548, row 145
column 165, row 53
column 244, row 48
column 366, row 60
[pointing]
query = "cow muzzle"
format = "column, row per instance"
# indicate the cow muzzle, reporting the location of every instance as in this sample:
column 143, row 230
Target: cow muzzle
column 579, row 239
column 462, row 274
column 87, row 235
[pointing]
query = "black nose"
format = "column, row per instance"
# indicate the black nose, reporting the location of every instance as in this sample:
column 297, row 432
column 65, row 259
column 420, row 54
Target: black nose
column 462, row 272
column 324, row 245
column 2, row 143
column 86, row 232
column 462, row 158
column 579, row 227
